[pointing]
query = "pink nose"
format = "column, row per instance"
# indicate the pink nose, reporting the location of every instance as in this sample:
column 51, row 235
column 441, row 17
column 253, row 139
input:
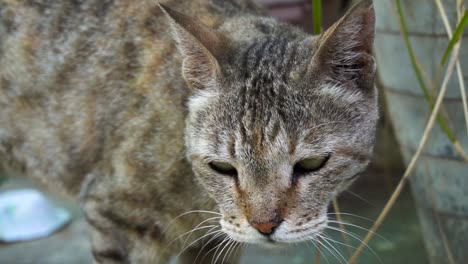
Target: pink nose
column 265, row 228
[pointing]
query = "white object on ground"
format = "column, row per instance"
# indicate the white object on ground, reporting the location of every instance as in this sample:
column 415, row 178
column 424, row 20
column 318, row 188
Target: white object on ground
column 26, row 214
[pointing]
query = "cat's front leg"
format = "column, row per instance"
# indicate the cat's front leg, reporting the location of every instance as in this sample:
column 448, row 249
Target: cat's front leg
column 109, row 244
column 116, row 240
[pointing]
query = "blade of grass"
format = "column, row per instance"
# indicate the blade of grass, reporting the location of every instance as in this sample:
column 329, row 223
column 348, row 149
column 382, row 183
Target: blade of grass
column 395, row 15
column 445, row 241
column 317, row 16
column 460, row 10
column 435, row 214
column 317, row 255
column 448, row 29
column 336, row 207
column 456, row 36
column 411, row 53
column 414, row 159
column 453, row 38
column 443, row 124
column 463, row 93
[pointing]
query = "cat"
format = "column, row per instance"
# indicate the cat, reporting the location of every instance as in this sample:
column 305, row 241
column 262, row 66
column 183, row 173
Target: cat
column 158, row 122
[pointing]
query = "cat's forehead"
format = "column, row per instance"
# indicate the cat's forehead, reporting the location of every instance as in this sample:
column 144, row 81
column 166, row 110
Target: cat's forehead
column 272, row 103
column 269, row 119
column 272, row 57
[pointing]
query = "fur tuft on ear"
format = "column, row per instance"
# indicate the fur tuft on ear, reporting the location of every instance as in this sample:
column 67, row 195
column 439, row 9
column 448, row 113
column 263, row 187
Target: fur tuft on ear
column 345, row 49
column 200, row 47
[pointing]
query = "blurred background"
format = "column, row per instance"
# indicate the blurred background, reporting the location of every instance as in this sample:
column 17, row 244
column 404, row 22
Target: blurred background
column 427, row 224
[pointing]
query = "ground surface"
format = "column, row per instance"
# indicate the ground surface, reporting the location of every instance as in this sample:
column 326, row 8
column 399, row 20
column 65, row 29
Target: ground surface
column 402, row 242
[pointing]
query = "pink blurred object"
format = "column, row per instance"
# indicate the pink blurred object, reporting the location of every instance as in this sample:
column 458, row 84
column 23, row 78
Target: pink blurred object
column 299, row 12
column 288, row 10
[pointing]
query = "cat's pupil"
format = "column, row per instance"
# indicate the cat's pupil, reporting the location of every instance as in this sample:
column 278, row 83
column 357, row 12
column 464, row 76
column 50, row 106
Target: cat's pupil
column 309, row 165
column 223, row 168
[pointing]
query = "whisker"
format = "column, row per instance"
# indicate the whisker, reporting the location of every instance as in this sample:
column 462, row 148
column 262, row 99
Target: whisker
column 337, row 242
column 207, row 253
column 227, row 254
column 215, row 235
column 313, row 239
column 355, row 237
column 225, row 240
column 207, row 220
column 224, row 248
column 346, row 245
column 203, row 237
column 353, row 215
column 239, row 246
column 320, row 253
column 316, row 249
column 186, row 233
column 334, row 248
column 361, row 198
column 209, row 232
column 359, row 227
column 245, row 245
column 189, row 212
column 235, row 250
column 329, row 250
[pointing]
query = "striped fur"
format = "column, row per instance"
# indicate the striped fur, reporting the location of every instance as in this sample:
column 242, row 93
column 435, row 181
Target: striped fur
column 94, row 104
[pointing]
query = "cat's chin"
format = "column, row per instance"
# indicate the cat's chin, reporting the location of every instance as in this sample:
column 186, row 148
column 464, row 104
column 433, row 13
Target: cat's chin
column 283, row 237
column 271, row 244
column 266, row 242
column 259, row 240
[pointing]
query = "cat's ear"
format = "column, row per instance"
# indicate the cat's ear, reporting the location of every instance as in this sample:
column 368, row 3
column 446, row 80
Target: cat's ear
column 345, row 49
column 200, row 47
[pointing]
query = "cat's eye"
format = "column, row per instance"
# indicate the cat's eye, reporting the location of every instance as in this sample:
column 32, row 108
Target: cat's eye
column 310, row 165
column 223, row 168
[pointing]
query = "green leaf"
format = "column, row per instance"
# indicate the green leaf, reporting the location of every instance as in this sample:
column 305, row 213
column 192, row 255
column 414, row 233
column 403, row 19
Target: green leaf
column 443, row 124
column 317, row 15
column 456, row 36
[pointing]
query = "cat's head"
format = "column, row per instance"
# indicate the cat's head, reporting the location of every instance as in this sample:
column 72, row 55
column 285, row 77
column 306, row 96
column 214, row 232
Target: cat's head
column 278, row 123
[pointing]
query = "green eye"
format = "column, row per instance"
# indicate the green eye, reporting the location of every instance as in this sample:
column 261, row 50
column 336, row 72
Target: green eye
column 223, row 168
column 309, row 165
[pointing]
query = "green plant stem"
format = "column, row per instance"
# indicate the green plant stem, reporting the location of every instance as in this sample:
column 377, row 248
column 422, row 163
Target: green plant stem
column 336, row 207
column 456, row 36
column 414, row 159
column 317, row 255
column 443, row 124
column 317, row 16
column 453, row 39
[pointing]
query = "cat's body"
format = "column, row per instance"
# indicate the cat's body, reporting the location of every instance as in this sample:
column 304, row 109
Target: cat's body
column 93, row 103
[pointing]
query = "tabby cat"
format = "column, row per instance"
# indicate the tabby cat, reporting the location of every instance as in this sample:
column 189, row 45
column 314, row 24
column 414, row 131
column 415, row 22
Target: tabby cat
column 159, row 122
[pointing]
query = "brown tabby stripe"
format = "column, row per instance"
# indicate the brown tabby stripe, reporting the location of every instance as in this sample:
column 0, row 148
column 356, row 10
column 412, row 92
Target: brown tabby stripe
column 96, row 225
column 150, row 230
column 274, row 131
column 232, row 146
column 292, row 142
column 361, row 157
column 110, row 254
column 259, row 93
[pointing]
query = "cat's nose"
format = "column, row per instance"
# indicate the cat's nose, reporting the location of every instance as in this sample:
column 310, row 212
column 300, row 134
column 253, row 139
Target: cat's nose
column 266, row 228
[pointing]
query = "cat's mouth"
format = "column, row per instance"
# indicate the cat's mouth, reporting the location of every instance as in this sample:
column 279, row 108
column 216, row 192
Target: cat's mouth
column 286, row 234
column 272, row 244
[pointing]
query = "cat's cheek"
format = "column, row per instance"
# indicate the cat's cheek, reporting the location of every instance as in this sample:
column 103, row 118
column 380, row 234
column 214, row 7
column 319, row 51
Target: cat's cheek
column 314, row 195
column 220, row 188
column 313, row 185
column 207, row 180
